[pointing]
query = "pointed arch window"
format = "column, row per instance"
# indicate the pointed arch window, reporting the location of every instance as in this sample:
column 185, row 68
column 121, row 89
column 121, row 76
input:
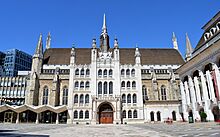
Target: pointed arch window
column 144, row 92
column 122, row 84
column 45, row 95
column 123, row 98
column 75, row 114
column 87, row 72
column 76, row 84
column 65, row 95
column 76, row 99
column 128, row 84
column 163, row 92
column 134, row 98
column 81, row 99
column 128, row 72
column 100, row 73
column 105, row 88
column 129, row 114
column 158, row 116
column 81, row 84
column 81, row 114
column 87, row 84
column 124, row 113
column 110, row 73
column 87, row 99
column 122, row 72
column 110, row 87
column 100, row 88
column 82, row 72
column 135, row 114
column 133, row 84
column 129, row 98
column 151, row 116
column 87, row 114
column 105, row 73
column 132, row 72
column 77, row 72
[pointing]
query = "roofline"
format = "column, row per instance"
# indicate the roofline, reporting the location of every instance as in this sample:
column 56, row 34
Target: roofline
column 213, row 19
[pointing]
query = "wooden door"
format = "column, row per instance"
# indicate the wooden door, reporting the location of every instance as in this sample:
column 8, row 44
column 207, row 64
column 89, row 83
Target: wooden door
column 106, row 118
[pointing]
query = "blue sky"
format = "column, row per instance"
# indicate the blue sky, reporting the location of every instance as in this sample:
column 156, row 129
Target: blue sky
column 147, row 23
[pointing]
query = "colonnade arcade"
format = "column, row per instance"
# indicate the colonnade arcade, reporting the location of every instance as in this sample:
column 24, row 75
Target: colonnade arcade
column 33, row 114
column 200, row 92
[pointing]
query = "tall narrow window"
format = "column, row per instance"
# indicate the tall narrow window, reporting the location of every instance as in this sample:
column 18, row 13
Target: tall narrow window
column 100, row 73
column 128, row 84
column 129, row 98
column 129, row 114
column 76, row 99
column 133, row 84
column 110, row 88
column 45, row 95
column 132, row 72
column 144, row 93
column 81, row 84
column 122, row 84
column 81, row 99
column 124, row 113
column 76, row 84
column 110, row 73
column 81, row 114
column 158, row 116
column 105, row 88
column 128, row 72
column 82, row 72
column 135, row 114
column 100, row 88
column 75, row 114
column 163, row 92
column 65, row 95
column 174, row 115
column 87, row 114
column 77, row 72
column 122, row 72
column 105, row 73
column 87, row 99
column 87, row 84
column 134, row 98
column 151, row 116
column 87, row 72
column 123, row 98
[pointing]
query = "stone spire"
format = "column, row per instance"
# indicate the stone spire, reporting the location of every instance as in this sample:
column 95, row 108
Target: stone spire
column 94, row 43
column 48, row 41
column 189, row 48
column 116, row 43
column 39, row 48
column 174, row 39
column 137, row 53
column 104, row 27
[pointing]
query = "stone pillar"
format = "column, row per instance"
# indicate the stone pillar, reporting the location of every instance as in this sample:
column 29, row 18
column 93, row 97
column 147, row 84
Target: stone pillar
column 17, row 119
column 70, row 118
column 37, row 119
column 193, row 99
column 217, row 77
column 187, row 93
column 198, row 94
column 183, row 96
column 210, row 86
column 206, row 98
column 57, row 118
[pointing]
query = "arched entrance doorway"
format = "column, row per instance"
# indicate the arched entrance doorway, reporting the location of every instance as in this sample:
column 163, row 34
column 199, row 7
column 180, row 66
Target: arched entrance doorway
column 105, row 114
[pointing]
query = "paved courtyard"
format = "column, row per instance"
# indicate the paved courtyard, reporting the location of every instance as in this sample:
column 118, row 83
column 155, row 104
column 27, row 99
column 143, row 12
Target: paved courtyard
column 130, row 130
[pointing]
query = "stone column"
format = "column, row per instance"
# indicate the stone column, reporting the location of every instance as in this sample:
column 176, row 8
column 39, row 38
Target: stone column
column 193, row 99
column 183, row 96
column 206, row 98
column 210, row 86
column 17, row 119
column 187, row 93
column 37, row 119
column 217, row 77
column 198, row 94
column 57, row 118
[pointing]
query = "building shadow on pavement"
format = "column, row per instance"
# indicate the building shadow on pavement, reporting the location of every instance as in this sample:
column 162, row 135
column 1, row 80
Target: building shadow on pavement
column 9, row 133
